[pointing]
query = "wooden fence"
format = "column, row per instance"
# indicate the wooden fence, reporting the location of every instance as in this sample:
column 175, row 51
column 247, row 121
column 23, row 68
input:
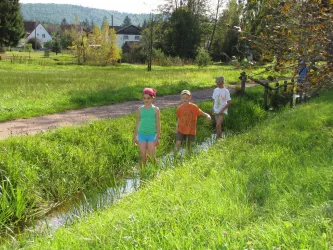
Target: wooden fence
column 288, row 90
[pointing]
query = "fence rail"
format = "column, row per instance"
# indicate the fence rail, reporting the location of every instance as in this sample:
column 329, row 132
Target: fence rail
column 295, row 96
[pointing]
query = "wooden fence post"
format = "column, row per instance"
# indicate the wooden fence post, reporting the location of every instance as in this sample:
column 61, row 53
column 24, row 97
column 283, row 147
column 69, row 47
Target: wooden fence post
column 266, row 96
column 277, row 88
column 243, row 78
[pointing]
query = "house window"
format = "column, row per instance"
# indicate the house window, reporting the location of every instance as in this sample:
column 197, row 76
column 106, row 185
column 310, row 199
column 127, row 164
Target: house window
column 125, row 37
column 137, row 37
column 43, row 35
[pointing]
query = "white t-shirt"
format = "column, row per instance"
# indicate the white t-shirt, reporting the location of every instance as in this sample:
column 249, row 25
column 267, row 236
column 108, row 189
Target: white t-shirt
column 221, row 97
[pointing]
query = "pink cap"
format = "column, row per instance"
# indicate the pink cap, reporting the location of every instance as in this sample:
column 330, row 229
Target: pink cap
column 150, row 91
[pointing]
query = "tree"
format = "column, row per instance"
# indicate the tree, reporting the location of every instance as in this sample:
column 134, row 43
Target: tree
column 197, row 7
column 257, row 17
column 11, row 23
column 114, row 52
column 203, row 58
column 127, row 22
column 28, row 48
column 87, row 26
column 218, row 5
column 298, row 29
column 225, row 45
column 182, row 34
column 152, row 38
column 67, row 37
column 145, row 24
column 79, row 45
column 64, row 21
column 94, row 46
column 56, row 46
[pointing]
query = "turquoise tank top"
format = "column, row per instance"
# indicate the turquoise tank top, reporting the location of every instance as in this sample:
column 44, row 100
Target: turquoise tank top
column 147, row 124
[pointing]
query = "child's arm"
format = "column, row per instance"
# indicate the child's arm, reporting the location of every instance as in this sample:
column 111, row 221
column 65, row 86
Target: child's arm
column 206, row 115
column 213, row 107
column 158, row 125
column 135, row 137
column 225, row 107
column 177, row 125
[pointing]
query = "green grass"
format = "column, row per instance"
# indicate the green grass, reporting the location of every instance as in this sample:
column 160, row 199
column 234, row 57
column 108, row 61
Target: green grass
column 29, row 90
column 267, row 188
column 52, row 167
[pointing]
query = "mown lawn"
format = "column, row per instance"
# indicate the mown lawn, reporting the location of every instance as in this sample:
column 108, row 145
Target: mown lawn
column 270, row 187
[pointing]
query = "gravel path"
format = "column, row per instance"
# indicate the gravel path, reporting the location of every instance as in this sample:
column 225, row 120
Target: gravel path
column 75, row 117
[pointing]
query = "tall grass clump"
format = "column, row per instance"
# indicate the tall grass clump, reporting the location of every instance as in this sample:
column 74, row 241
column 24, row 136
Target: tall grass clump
column 245, row 111
column 268, row 188
column 13, row 204
column 43, row 171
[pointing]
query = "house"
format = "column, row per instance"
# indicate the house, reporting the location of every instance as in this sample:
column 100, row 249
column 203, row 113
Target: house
column 129, row 33
column 35, row 30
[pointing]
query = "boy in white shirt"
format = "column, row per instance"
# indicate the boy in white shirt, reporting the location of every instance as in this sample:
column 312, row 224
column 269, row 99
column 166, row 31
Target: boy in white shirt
column 221, row 102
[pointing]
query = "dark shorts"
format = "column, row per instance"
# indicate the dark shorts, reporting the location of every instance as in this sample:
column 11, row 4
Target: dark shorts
column 186, row 138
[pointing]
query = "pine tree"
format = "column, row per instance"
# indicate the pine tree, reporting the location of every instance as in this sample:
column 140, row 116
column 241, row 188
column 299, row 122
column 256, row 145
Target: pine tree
column 11, row 23
column 127, row 22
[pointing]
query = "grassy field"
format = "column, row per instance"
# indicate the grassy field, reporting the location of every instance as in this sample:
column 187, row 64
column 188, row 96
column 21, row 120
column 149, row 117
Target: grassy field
column 267, row 187
column 32, row 89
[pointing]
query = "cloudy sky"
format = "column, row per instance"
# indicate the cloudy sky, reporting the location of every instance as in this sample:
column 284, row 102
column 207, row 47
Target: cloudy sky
column 129, row 6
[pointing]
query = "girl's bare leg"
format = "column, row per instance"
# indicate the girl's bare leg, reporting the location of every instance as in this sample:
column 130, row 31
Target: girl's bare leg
column 151, row 151
column 143, row 153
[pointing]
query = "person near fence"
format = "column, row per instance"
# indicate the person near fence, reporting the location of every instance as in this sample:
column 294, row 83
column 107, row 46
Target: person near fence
column 187, row 114
column 302, row 72
column 221, row 103
column 148, row 127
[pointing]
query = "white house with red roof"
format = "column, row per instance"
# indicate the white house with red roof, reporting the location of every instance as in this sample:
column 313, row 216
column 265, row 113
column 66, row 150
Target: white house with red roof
column 129, row 33
column 35, row 30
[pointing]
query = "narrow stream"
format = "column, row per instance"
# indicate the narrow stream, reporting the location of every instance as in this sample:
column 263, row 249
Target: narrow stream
column 89, row 204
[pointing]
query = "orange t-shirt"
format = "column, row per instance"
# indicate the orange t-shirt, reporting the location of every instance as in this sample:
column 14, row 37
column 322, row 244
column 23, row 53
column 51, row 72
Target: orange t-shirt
column 187, row 118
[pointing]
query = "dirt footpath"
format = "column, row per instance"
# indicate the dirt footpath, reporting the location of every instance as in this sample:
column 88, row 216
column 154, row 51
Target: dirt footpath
column 75, row 117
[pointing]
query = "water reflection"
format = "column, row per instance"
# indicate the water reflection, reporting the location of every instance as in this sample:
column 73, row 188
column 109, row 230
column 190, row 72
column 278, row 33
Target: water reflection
column 89, row 204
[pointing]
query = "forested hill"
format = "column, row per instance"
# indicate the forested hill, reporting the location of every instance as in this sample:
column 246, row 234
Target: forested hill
column 55, row 13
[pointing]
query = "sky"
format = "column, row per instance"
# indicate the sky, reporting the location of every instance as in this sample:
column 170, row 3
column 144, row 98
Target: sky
column 128, row 6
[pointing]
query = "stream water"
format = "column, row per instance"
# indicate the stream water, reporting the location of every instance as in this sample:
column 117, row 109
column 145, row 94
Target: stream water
column 88, row 204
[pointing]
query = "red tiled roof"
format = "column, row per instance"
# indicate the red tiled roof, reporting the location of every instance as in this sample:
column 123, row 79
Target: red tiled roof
column 78, row 27
column 29, row 26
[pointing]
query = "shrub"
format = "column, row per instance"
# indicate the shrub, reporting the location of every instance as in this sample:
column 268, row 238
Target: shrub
column 203, row 58
column 36, row 43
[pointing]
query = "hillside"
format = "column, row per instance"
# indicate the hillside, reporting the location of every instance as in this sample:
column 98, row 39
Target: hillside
column 55, row 13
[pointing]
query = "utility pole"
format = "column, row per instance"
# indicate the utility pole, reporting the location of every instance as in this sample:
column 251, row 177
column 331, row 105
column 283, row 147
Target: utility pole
column 150, row 42
column 35, row 36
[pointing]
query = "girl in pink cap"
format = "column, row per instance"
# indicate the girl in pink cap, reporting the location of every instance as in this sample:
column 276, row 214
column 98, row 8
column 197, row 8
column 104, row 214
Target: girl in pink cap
column 148, row 127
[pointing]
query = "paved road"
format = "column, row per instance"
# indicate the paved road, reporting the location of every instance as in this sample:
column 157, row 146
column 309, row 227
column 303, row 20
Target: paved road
column 75, row 117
